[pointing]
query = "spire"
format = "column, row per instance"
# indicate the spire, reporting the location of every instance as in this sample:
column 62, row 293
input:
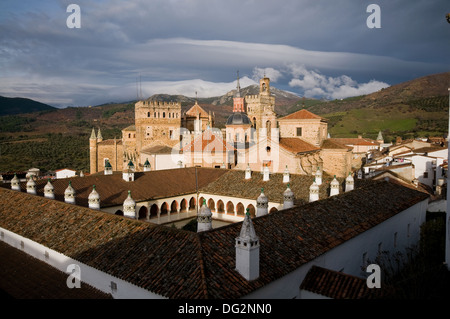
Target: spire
column 247, row 250
column 147, row 166
column 99, row 135
column 238, row 86
column 93, row 137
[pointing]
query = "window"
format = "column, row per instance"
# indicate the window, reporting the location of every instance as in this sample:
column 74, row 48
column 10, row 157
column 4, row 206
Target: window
column 425, row 175
column 299, row 131
column 164, row 115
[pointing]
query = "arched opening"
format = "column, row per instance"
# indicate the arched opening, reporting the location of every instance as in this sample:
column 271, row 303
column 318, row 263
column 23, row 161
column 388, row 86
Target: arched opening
column 143, row 211
column 268, row 127
column 154, row 211
column 200, row 202
column 174, row 207
column 119, row 213
column 240, row 209
column 164, row 115
column 183, row 205
column 251, row 210
column 220, row 207
column 192, row 203
column 164, row 209
column 230, row 208
column 211, row 205
column 273, row 210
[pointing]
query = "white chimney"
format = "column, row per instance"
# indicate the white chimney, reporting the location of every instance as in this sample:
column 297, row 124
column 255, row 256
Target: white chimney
column 49, row 190
column 69, row 194
column 266, row 173
column 349, row 183
column 314, row 192
column 248, row 172
column 94, row 199
column 15, row 183
column 204, row 218
column 286, row 175
column 247, row 250
column 31, row 186
column 262, row 204
column 288, row 197
column 129, row 207
column 318, row 176
column 334, row 187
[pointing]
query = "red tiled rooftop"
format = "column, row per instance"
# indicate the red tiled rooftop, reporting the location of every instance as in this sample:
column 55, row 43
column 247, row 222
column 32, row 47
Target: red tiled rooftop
column 180, row 264
column 302, row 115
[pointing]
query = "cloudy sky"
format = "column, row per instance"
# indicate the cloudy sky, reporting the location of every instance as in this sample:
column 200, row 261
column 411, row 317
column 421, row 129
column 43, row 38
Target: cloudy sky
column 314, row 48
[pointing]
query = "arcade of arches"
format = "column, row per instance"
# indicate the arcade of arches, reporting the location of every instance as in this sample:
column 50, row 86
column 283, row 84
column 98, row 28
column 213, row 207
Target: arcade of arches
column 186, row 207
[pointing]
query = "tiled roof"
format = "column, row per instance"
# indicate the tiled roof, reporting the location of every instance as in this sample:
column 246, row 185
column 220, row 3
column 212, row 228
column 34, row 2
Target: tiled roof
column 111, row 142
column 113, row 189
column 197, row 109
column 181, row 264
column 354, row 141
column 297, row 145
column 158, row 149
column 330, row 144
column 302, row 115
column 42, row 281
column 336, row 285
column 234, row 184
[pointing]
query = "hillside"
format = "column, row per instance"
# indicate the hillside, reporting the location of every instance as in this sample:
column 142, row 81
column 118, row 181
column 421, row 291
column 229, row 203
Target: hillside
column 17, row 105
column 417, row 108
column 58, row 138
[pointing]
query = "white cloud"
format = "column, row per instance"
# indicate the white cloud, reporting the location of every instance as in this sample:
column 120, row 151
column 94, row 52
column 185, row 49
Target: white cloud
column 315, row 84
column 271, row 73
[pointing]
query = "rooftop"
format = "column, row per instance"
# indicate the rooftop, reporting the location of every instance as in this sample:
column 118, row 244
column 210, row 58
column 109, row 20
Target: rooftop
column 181, row 264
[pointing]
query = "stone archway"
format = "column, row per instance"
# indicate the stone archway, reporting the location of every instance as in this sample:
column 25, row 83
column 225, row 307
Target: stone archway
column 154, row 211
column 174, row 207
column 183, row 205
column 220, row 207
column 240, row 210
column 164, row 209
column 251, row 210
column 211, row 205
column 192, row 203
column 143, row 213
column 230, row 208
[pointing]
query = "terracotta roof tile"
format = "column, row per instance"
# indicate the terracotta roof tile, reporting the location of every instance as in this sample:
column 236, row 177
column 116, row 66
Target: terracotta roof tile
column 302, row 115
column 297, row 145
column 181, row 264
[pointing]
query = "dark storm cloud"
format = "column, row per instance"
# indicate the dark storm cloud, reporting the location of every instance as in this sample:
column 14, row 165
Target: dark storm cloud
column 176, row 45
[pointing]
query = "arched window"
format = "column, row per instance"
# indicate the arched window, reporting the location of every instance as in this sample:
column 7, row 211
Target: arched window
column 211, row 205
column 164, row 115
column 148, row 114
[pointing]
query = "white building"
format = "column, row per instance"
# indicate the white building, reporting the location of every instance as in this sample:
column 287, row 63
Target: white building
column 65, row 173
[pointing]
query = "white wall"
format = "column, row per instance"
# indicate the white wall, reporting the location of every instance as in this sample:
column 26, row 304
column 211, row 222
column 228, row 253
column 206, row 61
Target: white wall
column 348, row 257
column 65, row 173
column 88, row 275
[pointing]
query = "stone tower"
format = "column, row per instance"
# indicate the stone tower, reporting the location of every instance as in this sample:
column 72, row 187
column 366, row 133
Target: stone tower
column 156, row 123
column 261, row 109
column 93, row 152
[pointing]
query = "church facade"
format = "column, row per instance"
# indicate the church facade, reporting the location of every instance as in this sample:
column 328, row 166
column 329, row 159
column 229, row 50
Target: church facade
column 254, row 136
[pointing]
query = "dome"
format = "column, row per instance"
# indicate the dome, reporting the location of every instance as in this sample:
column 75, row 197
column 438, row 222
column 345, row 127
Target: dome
column 238, row 118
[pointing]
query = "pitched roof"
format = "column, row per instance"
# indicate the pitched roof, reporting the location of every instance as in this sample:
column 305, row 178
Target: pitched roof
column 234, row 184
column 197, row 109
column 303, row 115
column 297, row 145
column 336, row 285
column 113, row 189
column 354, row 141
column 181, row 264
